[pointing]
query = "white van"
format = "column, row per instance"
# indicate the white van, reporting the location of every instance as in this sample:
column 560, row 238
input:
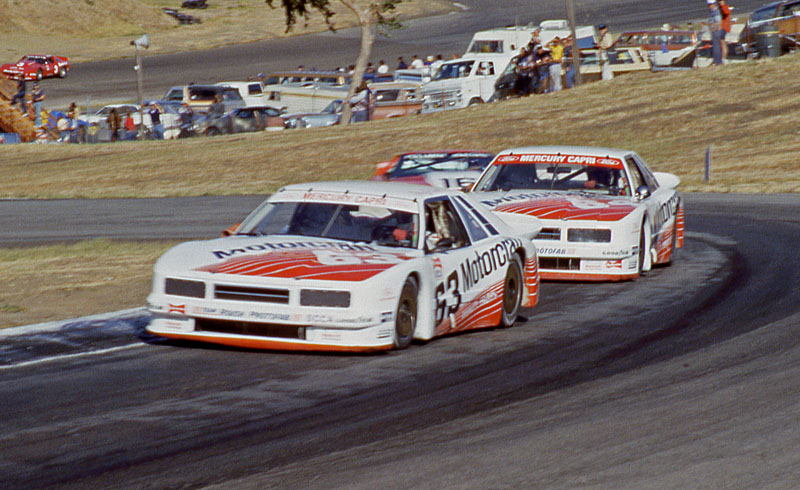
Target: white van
column 252, row 93
column 462, row 82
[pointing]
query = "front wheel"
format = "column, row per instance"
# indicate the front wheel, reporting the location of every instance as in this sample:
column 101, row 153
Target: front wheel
column 512, row 293
column 62, row 73
column 405, row 321
column 39, row 75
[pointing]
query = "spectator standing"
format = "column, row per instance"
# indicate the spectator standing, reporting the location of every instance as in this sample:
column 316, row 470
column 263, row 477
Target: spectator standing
column 717, row 33
column 725, row 11
column 20, row 95
column 566, row 58
column 417, row 63
column 543, row 62
column 557, row 54
column 436, row 64
column 401, row 64
column 603, row 46
column 383, row 68
column 155, row 120
column 186, row 115
column 114, row 123
column 130, row 127
column 77, row 134
column 38, row 100
column 361, row 103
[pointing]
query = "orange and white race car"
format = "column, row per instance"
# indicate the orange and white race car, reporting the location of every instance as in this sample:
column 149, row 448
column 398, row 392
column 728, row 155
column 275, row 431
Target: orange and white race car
column 605, row 216
column 348, row 266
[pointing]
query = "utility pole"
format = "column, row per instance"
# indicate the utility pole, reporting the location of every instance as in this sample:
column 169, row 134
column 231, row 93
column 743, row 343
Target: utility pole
column 576, row 60
column 142, row 42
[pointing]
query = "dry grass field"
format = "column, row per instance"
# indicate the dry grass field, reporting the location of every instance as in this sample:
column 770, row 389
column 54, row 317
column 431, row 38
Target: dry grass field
column 749, row 114
column 87, row 30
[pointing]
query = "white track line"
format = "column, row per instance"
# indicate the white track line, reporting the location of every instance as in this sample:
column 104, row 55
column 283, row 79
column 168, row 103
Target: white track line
column 72, row 356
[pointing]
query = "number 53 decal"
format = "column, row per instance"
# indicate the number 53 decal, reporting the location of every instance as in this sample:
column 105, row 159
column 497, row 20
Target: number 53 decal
column 443, row 310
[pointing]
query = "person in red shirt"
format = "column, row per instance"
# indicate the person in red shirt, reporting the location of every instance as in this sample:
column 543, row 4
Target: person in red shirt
column 726, row 26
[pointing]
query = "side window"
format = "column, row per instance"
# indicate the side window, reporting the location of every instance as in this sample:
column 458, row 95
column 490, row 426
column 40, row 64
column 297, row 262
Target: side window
column 636, row 176
column 648, row 176
column 474, row 229
column 444, row 229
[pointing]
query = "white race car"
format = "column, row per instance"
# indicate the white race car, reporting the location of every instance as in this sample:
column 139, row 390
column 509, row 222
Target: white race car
column 348, row 266
column 605, row 216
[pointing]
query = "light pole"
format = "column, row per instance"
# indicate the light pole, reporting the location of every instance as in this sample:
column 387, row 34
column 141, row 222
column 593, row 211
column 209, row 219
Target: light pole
column 142, row 42
column 576, row 60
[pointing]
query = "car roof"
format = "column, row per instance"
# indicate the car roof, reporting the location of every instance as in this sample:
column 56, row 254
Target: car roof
column 396, row 190
column 569, row 150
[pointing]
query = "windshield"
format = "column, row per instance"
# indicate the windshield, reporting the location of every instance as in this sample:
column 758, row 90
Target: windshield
column 356, row 223
column 420, row 163
column 554, row 176
column 454, row 70
column 764, row 13
column 486, row 47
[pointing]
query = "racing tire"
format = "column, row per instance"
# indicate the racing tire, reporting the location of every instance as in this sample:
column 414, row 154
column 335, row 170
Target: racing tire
column 39, row 75
column 62, row 72
column 213, row 132
column 405, row 319
column 512, row 293
column 476, row 101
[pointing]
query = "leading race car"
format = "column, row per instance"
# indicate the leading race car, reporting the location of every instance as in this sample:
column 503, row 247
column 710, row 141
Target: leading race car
column 448, row 168
column 605, row 216
column 36, row 67
column 347, row 266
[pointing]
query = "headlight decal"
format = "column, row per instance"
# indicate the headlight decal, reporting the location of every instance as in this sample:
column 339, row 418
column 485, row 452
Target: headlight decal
column 584, row 235
column 318, row 297
column 182, row 287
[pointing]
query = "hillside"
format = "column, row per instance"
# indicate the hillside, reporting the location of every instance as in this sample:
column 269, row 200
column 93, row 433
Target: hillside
column 101, row 29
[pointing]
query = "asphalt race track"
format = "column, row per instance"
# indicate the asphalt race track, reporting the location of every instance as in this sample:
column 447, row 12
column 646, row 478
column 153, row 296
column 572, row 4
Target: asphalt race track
column 115, row 80
column 684, row 379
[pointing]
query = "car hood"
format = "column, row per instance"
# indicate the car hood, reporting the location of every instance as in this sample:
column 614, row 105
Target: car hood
column 560, row 205
column 286, row 257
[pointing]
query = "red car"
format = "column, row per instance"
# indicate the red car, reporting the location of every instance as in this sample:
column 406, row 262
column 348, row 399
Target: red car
column 447, row 168
column 36, row 67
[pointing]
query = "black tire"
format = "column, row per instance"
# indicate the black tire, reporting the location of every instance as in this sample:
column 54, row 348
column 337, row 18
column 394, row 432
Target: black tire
column 62, row 72
column 512, row 293
column 213, row 132
column 476, row 101
column 39, row 75
column 405, row 319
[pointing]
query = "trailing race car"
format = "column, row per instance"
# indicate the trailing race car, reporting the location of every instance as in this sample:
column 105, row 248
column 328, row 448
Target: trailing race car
column 347, row 266
column 36, row 67
column 605, row 216
column 450, row 168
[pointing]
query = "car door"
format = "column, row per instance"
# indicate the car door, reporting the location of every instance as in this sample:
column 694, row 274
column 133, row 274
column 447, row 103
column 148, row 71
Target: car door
column 446, row 245
column 661, row 202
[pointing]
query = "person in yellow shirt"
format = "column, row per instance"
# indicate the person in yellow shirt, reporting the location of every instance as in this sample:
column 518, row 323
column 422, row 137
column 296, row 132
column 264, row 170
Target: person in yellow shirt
column 557, row 53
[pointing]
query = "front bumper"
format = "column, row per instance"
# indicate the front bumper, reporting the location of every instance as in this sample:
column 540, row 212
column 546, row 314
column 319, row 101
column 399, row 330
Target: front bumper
column 253, row 335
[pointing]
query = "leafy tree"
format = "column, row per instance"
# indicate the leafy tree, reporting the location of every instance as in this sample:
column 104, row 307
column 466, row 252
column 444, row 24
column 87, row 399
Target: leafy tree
column 370, row 14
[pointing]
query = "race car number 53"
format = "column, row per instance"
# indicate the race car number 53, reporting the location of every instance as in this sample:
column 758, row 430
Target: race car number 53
column 330, row 257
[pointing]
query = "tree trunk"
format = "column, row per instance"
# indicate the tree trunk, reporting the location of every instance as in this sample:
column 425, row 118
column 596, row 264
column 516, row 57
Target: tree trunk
column 366, row 20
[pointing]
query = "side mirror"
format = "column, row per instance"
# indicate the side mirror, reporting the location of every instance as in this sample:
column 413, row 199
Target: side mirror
column 643, row 191
column 230, row 230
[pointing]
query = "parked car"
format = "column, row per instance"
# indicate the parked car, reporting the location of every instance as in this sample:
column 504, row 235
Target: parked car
column 241, row 120
column 395, row 99
column 348, row 266
column 98, row 127
column 252, row 92
column 37, row 67
column 778, row 20
column 329, row 116
column 200, row 97
column 664, row 48
column 605, row 215
column 455, row 169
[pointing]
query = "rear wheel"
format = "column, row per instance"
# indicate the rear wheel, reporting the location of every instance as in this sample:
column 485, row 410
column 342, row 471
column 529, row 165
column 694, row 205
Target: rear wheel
column 213, row 132
column 62, row 72
column 512, row 293
column 476, row 101
column 39, row 75
column 405, row 321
